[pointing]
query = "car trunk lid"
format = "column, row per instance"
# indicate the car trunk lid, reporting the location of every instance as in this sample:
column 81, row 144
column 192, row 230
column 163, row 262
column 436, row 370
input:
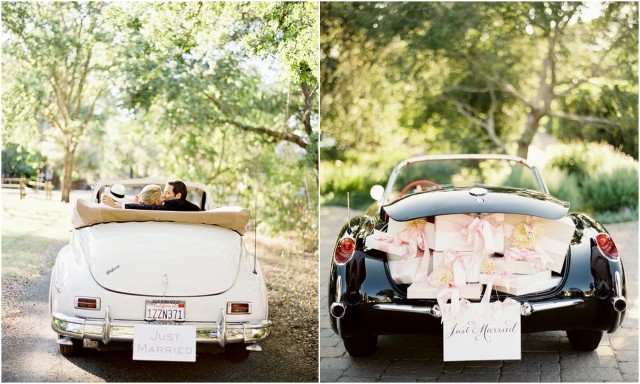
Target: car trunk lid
column 162, row 258
column 477, row 200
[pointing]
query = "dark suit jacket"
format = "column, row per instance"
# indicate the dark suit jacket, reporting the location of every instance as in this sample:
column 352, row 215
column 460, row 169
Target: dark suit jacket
column 169, row 205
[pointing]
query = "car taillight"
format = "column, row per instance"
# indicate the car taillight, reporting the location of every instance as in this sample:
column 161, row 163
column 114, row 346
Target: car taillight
column 236, row 308
column 87, row 303
column 344, row 249
column 607, row 246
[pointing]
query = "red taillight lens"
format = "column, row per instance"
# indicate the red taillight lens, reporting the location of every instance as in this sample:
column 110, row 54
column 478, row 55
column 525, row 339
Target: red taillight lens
column 344, row 250
column 238, row 308
column 87, row 303
column 607, row 246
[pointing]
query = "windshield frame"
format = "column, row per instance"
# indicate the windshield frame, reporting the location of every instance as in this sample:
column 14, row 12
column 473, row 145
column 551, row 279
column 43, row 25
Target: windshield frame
column 542, row 187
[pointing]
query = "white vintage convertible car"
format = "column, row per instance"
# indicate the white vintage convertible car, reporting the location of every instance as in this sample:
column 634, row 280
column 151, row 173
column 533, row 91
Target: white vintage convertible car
column 167, row 283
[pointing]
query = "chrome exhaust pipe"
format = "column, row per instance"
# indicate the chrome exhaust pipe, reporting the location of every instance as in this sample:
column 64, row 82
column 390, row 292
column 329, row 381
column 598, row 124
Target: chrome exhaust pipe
column 619, row 303
column 337, row 310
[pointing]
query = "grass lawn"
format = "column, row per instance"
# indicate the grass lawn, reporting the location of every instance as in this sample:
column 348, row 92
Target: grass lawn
column 33, row 230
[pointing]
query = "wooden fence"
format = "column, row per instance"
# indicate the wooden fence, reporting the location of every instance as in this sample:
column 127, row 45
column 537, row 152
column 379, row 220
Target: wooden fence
column 23, row 183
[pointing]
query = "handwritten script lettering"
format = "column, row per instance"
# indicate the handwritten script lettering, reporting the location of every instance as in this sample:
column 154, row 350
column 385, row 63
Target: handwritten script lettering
column 483, row 331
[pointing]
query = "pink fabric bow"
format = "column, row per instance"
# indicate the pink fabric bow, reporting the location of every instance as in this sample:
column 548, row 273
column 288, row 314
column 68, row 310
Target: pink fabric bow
column 403, row 267
column 536, row 256
column 480, row 234
column 493, row 310
column 414, row 238
column 503, row 278
column 456, row 308
column 458, row 262
column 499, row 306
column 385, row 241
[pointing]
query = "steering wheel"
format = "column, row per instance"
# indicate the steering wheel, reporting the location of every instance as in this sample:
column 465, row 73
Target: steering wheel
column 430, row 185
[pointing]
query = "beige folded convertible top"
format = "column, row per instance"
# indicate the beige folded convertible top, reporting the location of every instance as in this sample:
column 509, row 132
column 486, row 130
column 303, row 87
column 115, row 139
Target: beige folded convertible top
column 86, row 213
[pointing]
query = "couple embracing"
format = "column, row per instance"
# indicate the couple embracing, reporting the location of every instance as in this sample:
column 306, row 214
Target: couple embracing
column 173, row 198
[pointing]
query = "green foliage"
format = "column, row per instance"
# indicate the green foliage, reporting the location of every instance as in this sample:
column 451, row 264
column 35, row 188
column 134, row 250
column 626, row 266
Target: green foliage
column 619, row 216
column 290, row 27
column 616, row 105
column 18, row 162
column 584, row 159
column 445, row 77
column 564, row 186
column 595, row 178
column 613, row 191
column 204, row 91
column 336, row 181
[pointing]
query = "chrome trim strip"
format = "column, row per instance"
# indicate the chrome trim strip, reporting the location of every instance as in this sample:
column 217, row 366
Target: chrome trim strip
column 122, row 330
column 527, row 308
column 433, row 311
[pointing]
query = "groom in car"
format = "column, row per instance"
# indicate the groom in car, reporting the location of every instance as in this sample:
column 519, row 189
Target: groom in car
column 175, row 199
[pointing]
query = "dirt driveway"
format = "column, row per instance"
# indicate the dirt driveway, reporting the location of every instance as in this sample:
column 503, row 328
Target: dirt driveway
column 30, row 353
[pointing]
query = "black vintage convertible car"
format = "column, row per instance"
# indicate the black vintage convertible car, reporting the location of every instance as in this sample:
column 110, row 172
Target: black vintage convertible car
column 584, row 287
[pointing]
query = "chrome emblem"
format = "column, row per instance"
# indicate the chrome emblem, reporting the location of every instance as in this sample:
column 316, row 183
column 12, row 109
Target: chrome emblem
column 478, row 191
column 165, row 282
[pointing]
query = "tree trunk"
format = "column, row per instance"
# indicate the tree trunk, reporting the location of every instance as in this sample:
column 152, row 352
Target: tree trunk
column 66, row 175
column 530, row 129
column 306, row 117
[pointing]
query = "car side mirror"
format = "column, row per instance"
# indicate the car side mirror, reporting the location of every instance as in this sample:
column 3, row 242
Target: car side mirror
column 376, row 192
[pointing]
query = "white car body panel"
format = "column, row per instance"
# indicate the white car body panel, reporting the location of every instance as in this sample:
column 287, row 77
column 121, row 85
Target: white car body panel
column 139, row 258
column 126, row 264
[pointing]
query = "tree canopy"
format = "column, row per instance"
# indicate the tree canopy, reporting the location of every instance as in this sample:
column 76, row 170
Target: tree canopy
column 220, row 92
column 479, row 77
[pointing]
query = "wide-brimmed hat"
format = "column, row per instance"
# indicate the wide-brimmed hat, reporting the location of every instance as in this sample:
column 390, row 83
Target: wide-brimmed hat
column 116, row 192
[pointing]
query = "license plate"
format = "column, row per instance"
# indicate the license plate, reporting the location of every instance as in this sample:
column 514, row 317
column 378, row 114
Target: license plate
column 164, row 310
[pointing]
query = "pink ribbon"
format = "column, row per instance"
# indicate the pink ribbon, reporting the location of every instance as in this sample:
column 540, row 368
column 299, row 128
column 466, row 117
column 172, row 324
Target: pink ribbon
column 536, row 256
column 480, row 234
column 503, row 278
column 414, row 238
column 457, row 306
column 455, row 262
column 499, row 306
column 494, row 310
column 401, row 270
column 458, row 262
column 386, row 241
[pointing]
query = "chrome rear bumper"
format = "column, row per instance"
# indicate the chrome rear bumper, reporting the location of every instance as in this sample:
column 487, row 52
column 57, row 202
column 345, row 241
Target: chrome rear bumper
column 526, row 308
column 107, row 329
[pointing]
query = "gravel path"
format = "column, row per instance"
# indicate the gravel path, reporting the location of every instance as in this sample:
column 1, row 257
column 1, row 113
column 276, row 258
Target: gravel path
column 30, row 353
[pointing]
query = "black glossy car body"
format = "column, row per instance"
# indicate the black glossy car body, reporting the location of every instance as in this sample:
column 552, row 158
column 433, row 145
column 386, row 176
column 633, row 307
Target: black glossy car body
column 364, row 301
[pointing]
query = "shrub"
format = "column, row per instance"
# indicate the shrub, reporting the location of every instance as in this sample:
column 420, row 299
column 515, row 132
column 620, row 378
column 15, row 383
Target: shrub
column 564, row 186
column 337, row 180
column 605, row 181
column 583, row 160
column 612, row 191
